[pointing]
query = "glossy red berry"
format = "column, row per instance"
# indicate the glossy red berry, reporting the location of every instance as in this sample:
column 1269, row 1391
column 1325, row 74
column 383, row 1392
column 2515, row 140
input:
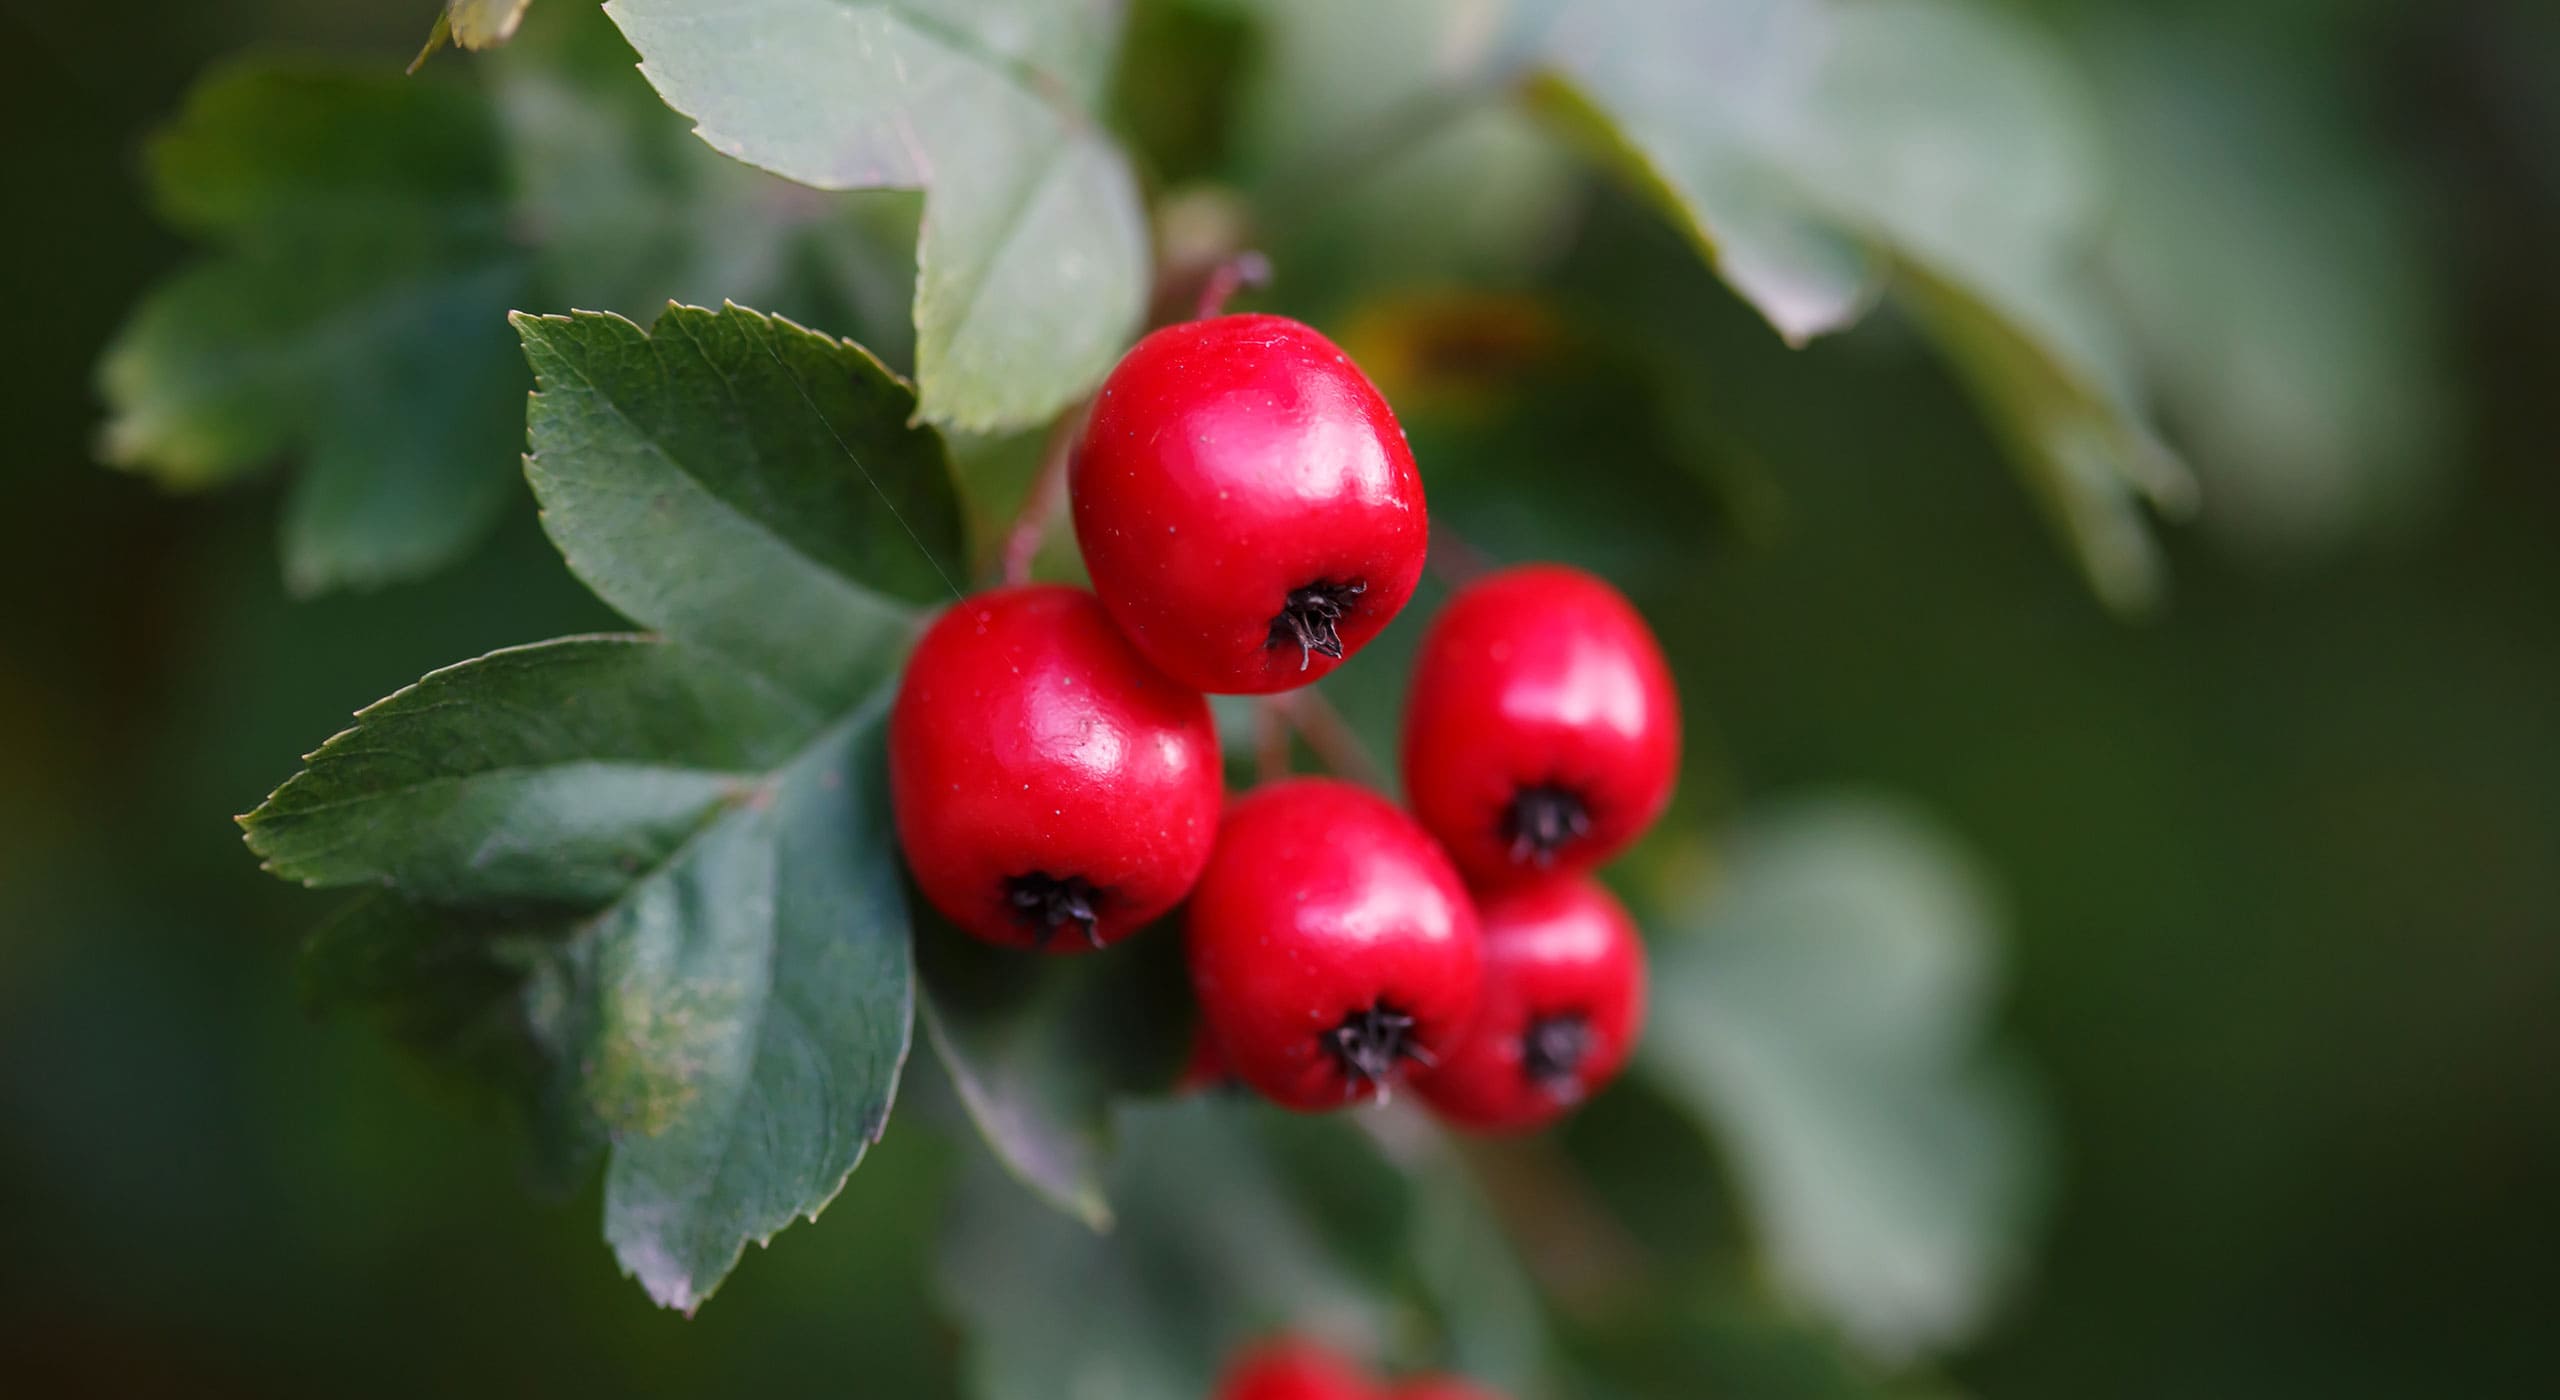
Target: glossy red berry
column 1332, row 947
column 1051, row 789
column 1561, row 1006
column 1246, row 504
column 1291, row 1368
column 1542, row 732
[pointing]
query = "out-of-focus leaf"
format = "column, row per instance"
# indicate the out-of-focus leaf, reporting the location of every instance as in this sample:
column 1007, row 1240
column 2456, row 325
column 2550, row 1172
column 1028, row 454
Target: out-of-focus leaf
column 352, row 318
column 1709, row 107
column 1488, row 1306
column 1037, row 1048
column 674, row 854
column 629, row 211
column 1377, row 156
column 1210, row 1250
column 1816, row 149
column 1032, row 265
column 1724, row 1341
column 1823, row 1009
column 458, row 986
column 2271, row 268
column 373, row 233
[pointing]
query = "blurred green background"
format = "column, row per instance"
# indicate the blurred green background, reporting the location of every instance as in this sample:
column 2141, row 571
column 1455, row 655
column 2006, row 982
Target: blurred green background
column 2281, row 863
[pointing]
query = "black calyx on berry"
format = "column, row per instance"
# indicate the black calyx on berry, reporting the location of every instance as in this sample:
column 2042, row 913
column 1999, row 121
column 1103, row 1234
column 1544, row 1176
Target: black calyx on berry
column 1552, row 1050
column 1309, row 619
column 1542, row 820
column 1371, row 1044
column 1046, row 903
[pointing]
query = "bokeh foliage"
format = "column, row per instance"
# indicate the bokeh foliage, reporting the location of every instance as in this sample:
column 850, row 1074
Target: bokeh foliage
column 2270, row 863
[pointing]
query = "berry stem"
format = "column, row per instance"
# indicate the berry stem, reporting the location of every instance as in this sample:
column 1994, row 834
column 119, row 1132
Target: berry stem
column 1331, row 737
column 1245, row 269
column 1048, row 492
column 1455, row 560
column 1271, row 728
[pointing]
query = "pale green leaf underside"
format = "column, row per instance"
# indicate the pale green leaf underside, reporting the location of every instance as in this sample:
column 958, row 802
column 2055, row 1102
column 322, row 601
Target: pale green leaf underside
column 1815, row 148
column 1032, row 261
column 1824, row 1009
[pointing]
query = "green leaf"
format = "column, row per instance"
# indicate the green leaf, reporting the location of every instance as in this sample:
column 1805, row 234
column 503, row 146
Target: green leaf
column 1819, row 150
column 351, row 318
column 745, row 485
column 665, row 865
column 2272, row 269
column 1038, row 1048
column 730, row 1003
column 1032, row 264
column 1825, row 1011
column 1211, row 1249
column 543, row 774
column 753, row 1000
column 631, row 211
column 372, row 233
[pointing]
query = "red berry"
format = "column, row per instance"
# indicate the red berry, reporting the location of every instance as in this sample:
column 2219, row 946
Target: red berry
column 1542, row 732
column 1330, row 944
column 1246, row 504
column 1440, row 1388
column 1562, row 1003
column 1045, row 779
column 1291, row 1368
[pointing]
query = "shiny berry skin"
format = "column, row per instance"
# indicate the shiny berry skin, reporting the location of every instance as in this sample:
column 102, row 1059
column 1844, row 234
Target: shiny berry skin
column 1051, row 789
column 1542, row 732
column 1292, row 1368
column 1246, row 504
column 1331, row 945
column 1561, row 1006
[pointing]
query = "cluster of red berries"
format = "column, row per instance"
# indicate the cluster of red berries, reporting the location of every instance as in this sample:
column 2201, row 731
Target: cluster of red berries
column 1291, row 1368
column 1251, row 517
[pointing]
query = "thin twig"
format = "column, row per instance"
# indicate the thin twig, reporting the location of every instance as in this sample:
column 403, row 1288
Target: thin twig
column 1335, row 744
column 1454, row 560
column 1048, row 490
column 1270, row 739
column 1245, row 269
